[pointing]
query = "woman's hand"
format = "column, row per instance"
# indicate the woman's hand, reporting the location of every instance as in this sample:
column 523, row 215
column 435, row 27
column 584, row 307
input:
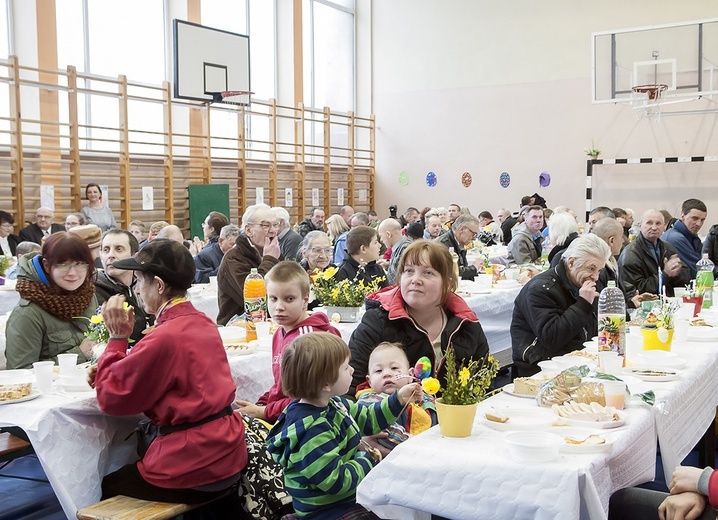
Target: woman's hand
column 411, row 393
column 120, row 323
column 686, row 506
column 86, row 347
column 251, row 409
column 91, row 375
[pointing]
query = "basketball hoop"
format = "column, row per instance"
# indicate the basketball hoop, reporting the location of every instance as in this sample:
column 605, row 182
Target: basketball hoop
column 646, row 100
column 232, row 97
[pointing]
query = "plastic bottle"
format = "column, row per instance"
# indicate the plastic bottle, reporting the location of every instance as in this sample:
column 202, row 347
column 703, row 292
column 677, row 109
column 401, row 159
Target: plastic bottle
column 704, row 280
column 612, row 320
column 255, row 302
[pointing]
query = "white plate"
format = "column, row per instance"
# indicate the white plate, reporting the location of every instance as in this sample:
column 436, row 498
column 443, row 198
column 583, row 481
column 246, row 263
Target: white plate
column 32, row 395
column 702, row 334
column 509, row 389
column 574, row 361
column 582, row 433
column 591, row 346
column 669, row 374
column 520, row 419
column 658, row 358
column 603, row 425
column 246, row 349
column 549, row 366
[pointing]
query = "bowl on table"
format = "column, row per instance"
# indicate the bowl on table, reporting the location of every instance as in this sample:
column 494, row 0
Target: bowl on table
column 75, row 381
column 232, row 335
column 536, row 446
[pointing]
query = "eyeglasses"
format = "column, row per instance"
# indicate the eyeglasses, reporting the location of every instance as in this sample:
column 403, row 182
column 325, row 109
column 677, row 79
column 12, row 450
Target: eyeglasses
column 319, row 250
column 6, row 225
column 266, row 225
column 65, row 268
column 474, row 234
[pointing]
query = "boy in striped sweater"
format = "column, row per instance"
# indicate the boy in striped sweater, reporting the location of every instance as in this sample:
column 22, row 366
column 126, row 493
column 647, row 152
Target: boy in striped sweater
column 317, row 438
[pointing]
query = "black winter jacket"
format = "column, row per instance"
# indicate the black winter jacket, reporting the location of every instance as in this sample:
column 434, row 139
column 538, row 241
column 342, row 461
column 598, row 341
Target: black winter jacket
column 639, row 268
column 389, row 321
column 549, row 319
column 466, row 271
column 710, row 246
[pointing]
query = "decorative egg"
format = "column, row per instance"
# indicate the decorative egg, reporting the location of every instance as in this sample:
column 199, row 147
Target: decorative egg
column 663, row 334
column 336, row 317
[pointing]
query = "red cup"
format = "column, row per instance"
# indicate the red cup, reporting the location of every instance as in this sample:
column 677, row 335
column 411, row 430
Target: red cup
column 697, row 301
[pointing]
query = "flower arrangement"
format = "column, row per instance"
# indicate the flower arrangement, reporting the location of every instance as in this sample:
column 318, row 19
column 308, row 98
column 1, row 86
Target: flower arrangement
column 593, row 151
column 467, row 384
column 344, row 293
column 662, row 316
column 96, row 329
column 4, row 264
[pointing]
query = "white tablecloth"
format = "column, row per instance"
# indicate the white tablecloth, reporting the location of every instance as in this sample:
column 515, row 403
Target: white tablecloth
column 476, row 477
column 76, row 443
column 204, row 298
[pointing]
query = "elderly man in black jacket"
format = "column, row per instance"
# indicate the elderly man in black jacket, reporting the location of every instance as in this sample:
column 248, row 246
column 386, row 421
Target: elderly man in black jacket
column 553, row 313
column 650, row 264
column 463, row 231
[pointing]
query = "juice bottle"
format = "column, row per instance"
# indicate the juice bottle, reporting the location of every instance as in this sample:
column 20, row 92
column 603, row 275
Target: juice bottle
column 704, row 280
column 255, row 302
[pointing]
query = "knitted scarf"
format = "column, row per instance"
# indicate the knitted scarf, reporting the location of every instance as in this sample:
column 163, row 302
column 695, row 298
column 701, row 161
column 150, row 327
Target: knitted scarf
column 56, row 301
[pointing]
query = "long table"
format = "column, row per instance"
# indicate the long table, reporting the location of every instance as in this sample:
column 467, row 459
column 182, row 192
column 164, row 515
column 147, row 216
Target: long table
column 476, row 478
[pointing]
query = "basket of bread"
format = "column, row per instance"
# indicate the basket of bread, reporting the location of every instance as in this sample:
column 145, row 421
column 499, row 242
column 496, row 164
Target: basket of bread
column 569, row 385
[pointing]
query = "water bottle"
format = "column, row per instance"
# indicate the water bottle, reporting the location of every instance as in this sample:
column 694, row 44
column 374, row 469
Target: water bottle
column 704, row 280
column 612, row 320
column 255, row 302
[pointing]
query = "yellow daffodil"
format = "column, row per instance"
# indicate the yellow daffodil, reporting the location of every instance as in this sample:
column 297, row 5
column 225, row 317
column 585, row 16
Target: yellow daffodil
column 126, row 307
column 464, row 375
column 430, row 385
column 96, row 319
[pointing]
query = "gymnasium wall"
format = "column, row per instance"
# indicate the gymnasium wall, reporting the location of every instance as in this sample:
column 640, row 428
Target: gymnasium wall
column 490, row 86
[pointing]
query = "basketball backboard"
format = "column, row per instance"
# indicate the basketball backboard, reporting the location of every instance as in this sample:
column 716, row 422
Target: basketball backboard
column 682, row 56
column 208, row 60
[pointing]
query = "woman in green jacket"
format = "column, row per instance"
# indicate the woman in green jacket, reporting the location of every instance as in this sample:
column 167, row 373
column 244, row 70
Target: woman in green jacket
column 55, row 289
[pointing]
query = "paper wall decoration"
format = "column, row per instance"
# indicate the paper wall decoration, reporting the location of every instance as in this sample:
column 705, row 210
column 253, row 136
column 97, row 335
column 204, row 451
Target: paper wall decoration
column 544, row 179
column 340, row 196
column 431, row 179
column 259, row 195
column 466, row 179
column 403, row 178
column 504, row 180
column 288, row 197
column 315, row 197
column 148, row 198
column 47, row 196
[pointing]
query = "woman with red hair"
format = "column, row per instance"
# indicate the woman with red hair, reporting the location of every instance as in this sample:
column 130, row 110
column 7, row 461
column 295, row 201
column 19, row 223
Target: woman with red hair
column 56, row 290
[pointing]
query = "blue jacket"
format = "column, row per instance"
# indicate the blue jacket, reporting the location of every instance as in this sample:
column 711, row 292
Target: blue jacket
column 686, row 243
column 207, row 262
column 340, row 245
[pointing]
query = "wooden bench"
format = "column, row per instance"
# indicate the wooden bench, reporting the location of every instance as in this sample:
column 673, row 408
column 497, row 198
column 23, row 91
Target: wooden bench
column 10, row 443
column 127, row 508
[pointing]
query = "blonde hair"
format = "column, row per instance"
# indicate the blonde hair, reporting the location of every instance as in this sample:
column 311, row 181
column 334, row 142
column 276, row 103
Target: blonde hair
column 336, row 225
column 310, row 362
column 288, row 271
column 387, row 345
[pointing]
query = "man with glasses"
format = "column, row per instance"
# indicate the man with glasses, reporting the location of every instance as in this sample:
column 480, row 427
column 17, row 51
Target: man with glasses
column 525, row 246
column 8, row 241
column 289, row 240
column 257, row 247
column 42, row 228
column 463, row 231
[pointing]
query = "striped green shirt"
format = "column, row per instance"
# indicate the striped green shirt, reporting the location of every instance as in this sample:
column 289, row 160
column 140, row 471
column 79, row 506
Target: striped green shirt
column 317, row 448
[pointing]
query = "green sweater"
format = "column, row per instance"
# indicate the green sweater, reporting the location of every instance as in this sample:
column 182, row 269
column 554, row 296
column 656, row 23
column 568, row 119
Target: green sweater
column 318, row 450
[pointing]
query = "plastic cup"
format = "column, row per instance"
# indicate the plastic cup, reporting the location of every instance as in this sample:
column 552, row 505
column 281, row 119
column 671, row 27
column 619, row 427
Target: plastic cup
column 602, row 356
column 43, row 375
column 613, row 365
column 67, row 363
column 679, row 292
column 262, row 328
column 680, row 330
column 686, row 311
column 213, row 282
column 697, row 302
column 615, row 392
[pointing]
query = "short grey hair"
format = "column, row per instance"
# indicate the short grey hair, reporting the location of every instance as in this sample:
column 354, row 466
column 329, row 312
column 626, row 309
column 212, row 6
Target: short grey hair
column 560, row 226
column 282, row 214
column 585, row 248
column 251, row 211
column 464, row 220
column 309, row 239
column 229, row 231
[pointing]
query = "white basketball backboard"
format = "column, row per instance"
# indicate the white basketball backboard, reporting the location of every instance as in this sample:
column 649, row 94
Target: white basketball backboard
column 208, row 60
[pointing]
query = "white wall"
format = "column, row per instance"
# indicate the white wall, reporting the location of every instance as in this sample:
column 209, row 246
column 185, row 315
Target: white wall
column 486, row 86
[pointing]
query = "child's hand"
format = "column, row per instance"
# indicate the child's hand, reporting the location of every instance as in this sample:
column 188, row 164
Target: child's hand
column 251, row 409
column 410, row 393
column 685, row 478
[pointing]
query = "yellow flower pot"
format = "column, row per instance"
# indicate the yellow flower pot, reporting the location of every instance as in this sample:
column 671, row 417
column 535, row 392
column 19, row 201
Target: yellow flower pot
column 455, row 420
column 657, row 339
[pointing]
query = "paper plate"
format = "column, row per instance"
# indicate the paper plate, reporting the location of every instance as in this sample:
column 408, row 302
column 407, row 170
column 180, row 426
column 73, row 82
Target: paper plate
column 655, row 375
column 702, row 334
column 509, row 389
column 241, row 349
column 603, row 425
column 29, row 397
column 583, row 433
column 519, row 419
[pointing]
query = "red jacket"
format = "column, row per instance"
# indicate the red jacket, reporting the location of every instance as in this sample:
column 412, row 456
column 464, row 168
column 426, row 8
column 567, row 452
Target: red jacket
column 177, row 373
column 713, row 489
column 275, row 400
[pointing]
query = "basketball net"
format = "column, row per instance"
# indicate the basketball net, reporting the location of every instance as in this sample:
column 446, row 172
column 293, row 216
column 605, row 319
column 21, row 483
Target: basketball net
column 646, row 100
column 232, row 97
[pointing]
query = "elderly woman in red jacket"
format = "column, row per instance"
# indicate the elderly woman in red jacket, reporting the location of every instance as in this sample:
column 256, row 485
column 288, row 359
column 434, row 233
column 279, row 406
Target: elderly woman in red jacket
column 179, row 377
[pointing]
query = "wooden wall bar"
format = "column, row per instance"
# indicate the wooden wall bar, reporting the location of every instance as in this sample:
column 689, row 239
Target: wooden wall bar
column 270, row 147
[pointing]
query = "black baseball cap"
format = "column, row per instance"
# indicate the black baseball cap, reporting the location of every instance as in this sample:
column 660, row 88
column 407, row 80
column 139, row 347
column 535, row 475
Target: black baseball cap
column 168, row 259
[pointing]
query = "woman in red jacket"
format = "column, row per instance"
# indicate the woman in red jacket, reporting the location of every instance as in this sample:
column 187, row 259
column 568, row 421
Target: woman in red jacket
column 179, row 377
